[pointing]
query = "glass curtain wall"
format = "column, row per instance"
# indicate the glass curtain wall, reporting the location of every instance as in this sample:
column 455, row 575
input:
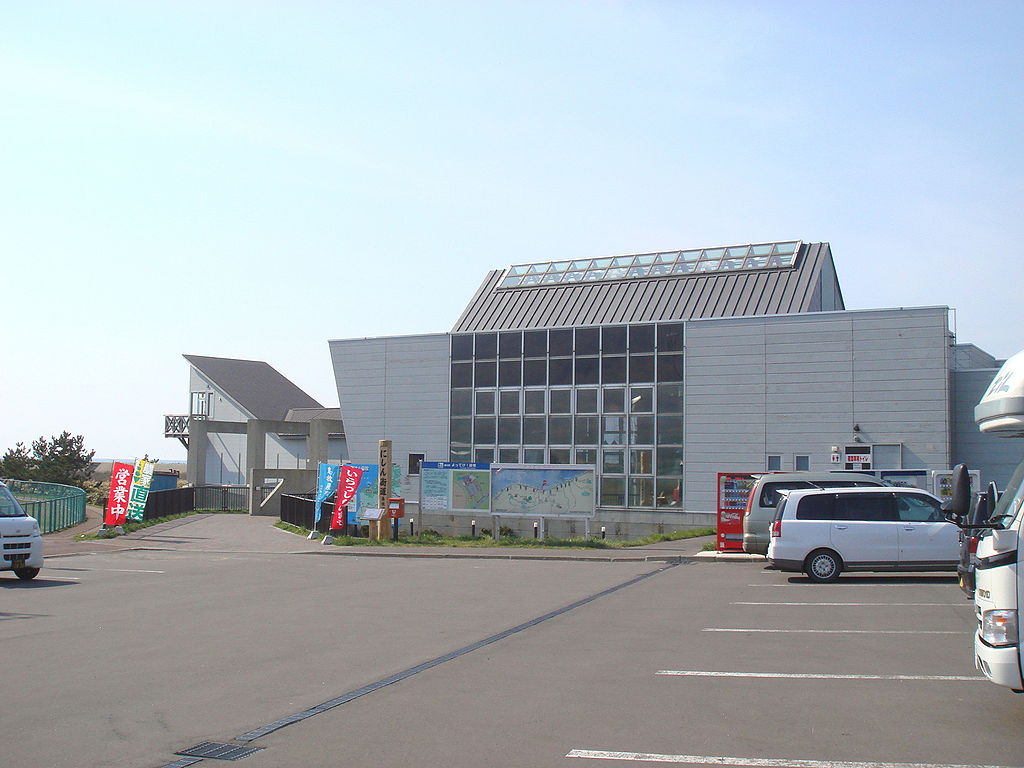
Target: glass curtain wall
column 610, row 396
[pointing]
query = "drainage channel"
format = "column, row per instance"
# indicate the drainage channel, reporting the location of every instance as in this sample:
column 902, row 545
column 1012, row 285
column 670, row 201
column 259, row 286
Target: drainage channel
column 240, row 747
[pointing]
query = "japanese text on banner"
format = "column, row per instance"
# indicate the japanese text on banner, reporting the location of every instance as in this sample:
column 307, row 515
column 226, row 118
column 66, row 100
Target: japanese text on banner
column 326, row 484
column 120, row 491
column 348, row 484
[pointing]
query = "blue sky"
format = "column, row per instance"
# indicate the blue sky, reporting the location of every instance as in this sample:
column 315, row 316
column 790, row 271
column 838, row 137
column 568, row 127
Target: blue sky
column 251, row 179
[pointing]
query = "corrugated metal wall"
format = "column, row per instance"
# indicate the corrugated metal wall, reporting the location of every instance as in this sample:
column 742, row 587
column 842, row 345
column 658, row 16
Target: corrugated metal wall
column 397, row 389
column 796, row 385
column 995, row 456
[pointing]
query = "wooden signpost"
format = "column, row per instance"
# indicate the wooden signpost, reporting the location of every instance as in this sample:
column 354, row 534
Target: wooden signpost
column 378, row 528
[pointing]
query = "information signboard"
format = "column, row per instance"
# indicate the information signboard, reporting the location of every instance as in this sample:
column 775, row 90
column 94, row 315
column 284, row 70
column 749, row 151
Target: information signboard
column 542, row 490
column 455, row 486
column 733, row 493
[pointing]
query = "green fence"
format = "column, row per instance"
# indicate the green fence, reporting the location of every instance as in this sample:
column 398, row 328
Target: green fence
column 54, row 506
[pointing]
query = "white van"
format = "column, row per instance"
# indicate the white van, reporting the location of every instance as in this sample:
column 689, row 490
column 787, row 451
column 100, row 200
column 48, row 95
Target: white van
column 20, row 539
column 999, row 568
column 823, row 533
column 764, row 499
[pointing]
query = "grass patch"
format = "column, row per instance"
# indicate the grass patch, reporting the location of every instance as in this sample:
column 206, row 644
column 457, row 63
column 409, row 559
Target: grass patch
column 139, row 525
column 430, row 539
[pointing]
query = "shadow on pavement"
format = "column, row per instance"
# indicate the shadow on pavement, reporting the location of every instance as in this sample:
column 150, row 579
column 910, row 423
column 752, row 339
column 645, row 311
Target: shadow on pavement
column 889, row 579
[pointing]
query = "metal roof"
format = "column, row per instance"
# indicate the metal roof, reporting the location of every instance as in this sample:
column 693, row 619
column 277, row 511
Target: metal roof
column 254, row 385
column 734, row 293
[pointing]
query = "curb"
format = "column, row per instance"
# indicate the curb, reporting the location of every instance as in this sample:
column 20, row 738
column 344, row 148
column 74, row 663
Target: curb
column 419, row 555
column 730, row 557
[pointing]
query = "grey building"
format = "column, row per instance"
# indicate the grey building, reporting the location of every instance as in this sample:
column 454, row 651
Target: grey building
column 664, row 369
column 245, row 415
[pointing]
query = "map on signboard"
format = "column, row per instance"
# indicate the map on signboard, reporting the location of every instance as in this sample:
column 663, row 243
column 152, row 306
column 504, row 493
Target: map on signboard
column 471, row 490
column 542, row 491
column 455, row 487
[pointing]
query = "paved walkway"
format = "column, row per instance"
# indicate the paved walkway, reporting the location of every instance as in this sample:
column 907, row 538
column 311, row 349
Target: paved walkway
column 242, row 533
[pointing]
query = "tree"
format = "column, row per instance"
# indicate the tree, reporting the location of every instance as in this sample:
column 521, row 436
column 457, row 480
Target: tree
column 62, row 459
column 17, row 463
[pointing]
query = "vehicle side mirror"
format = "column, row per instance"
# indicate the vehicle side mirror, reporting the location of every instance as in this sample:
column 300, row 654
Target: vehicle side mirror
column 959, row 503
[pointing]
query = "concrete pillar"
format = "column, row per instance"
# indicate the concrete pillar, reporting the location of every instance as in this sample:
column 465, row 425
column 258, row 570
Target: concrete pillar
column 195, row 471
column 255, row 447
column 316, row 443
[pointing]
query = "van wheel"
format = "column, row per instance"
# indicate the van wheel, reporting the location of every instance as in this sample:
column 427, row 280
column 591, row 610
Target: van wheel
column 26, row 573
column 823, row 566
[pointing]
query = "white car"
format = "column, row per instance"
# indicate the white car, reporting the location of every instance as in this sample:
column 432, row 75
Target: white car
column 824, row 532
column 20, row 538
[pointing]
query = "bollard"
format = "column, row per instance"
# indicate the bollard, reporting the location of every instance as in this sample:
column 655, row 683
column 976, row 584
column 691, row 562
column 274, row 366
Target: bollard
column 473, row 527
column 412, row 526
column 602, row 531
column 535, row 530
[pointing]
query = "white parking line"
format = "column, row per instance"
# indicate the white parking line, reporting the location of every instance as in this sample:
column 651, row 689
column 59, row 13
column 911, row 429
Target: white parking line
column 756, row 762
column 814, row 676
column 840, row 631
column 898, row 605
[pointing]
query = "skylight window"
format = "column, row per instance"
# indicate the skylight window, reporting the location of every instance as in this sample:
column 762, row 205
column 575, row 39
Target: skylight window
column 722, row 259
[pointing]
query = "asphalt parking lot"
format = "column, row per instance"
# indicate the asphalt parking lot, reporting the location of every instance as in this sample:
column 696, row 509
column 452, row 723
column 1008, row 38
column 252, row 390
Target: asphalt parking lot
column 129, row 658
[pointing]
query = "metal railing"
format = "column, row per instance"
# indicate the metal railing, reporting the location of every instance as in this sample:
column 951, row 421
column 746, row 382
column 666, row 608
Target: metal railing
column 222, row 497
column 174, row 501
column 298, row 510
column 55, row 506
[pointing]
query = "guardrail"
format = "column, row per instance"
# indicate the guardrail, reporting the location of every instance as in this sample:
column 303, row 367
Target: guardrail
column 55, row 506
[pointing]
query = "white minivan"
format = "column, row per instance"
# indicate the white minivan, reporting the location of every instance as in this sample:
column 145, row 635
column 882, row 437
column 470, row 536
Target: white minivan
column 764, row 499
column 20, row 539
column 824, row 532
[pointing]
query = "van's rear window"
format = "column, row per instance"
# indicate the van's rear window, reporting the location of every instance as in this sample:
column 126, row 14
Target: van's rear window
column 817, row 507
column 770, row 491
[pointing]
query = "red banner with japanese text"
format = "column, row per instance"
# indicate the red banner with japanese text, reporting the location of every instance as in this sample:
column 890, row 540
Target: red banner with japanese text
column 348, row 484
column 120, row 491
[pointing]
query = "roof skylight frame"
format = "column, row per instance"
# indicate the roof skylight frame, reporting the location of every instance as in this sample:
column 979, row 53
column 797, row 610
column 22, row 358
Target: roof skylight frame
column 754, row 257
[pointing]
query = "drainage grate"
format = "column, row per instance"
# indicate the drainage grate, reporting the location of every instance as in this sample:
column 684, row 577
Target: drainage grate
column 217, row 751
column 183, row 763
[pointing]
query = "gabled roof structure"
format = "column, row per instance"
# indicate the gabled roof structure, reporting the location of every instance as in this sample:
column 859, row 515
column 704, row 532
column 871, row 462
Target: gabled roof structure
column 254, row 385
column 757, row 279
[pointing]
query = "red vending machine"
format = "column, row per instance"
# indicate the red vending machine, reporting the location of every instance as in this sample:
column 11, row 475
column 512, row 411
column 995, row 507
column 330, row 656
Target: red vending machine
column 733, row 492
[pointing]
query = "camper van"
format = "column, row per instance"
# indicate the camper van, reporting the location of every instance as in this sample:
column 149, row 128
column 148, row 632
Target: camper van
column 19, row 535
column 999, row 559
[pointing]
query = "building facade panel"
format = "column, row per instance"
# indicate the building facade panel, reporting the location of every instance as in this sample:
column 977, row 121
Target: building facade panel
column 715, row 361
column 970, row 445
column 401, row 394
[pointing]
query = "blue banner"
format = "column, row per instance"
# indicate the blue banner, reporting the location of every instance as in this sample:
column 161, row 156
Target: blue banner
column 326, row 485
